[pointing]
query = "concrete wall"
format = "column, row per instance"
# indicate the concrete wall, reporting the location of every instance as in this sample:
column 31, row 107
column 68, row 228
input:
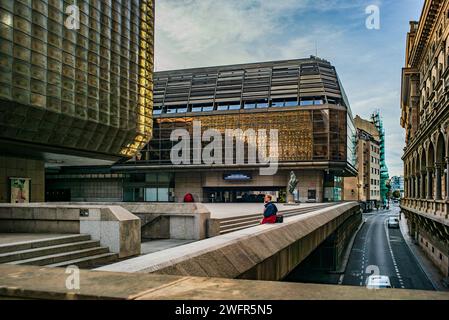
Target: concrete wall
column 22, row 168
column 309, row 180
column 188, row 182
column 439, row 257
column 186, row 221
column 350, row 189
column 89, row 190
column 164, row 220
column 114, row 226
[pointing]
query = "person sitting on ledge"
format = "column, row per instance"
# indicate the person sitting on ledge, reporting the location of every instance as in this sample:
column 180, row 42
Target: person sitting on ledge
column 270, row 212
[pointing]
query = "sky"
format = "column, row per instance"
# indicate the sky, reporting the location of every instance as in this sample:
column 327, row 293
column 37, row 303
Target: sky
column 199, row 33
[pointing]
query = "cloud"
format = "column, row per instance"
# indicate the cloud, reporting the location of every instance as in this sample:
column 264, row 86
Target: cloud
column 193, row 33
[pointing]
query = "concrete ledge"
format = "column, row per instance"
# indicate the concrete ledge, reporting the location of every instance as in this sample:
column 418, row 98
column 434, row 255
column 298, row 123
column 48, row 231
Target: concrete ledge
column 18, row 282
column 265, row 252
column 114, row 226
column 182, row 221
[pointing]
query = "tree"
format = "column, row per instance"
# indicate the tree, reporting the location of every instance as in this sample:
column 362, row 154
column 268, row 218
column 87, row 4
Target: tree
column 397, row 194
column 388, row 195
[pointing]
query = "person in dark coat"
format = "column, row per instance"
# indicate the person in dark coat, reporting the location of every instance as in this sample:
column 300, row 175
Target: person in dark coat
column 270, row 212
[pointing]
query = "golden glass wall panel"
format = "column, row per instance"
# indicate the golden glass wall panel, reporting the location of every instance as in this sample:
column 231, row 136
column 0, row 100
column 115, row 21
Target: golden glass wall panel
column 96, row 79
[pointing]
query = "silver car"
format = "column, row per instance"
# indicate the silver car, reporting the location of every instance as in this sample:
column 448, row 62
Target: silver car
column 393, row 223
column 378, row 282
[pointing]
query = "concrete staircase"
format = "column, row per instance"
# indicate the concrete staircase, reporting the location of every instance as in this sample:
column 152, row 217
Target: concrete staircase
column 59, row 251
column 232, row 224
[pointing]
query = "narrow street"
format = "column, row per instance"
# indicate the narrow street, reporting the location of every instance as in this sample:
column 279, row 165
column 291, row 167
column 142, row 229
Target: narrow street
column 380, row 250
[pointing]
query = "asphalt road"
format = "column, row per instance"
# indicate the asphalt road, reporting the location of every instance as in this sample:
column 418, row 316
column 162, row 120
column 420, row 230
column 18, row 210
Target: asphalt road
column 383, row 251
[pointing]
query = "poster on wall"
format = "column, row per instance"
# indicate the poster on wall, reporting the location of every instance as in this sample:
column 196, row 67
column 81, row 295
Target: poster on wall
column 20, row 190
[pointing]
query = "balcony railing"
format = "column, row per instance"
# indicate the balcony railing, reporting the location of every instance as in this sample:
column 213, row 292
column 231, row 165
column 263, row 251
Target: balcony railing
column 438, row 208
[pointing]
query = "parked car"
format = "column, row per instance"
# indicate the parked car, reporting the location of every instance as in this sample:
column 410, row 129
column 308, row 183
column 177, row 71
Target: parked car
column 393, row 223
column 378, row 282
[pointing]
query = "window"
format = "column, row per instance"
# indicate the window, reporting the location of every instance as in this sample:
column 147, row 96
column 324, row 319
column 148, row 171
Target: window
column 306, row 103
column 222, row 106
column 263, row 103
column 288, row 102
column 311, row 101
column 291, row 103
column 249, row 105
column 276, row 104
column 197, row 109
column 202, row 107
column 176, row 109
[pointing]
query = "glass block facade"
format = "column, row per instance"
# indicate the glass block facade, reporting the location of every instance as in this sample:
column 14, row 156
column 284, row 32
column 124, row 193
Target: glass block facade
column 87, row 89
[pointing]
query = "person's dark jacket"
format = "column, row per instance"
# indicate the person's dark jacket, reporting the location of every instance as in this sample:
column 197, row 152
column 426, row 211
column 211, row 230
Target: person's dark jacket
column 270, row 210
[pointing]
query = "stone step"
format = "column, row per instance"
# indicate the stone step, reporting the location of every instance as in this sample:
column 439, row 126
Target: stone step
column 51, row 241
column 231, row 220
column 258, row 217
column 62, row 257
column 88, row 262
column 45, row 251
column 243, row 222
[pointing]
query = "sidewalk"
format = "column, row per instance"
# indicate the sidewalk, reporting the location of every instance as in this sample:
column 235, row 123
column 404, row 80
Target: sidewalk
column 429, row 269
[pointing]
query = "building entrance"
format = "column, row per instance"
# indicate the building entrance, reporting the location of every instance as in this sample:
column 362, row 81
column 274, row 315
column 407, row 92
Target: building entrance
column 243, row 194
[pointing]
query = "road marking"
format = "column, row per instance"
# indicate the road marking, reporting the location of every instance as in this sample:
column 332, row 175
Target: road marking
column 398, row 274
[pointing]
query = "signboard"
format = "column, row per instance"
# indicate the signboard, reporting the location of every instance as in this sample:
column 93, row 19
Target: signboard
column 237, row 177
column 20, row 190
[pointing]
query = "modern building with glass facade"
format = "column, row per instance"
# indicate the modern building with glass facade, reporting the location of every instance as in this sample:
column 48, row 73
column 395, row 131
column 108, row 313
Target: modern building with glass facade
column 72, row 91
column 397, row 184
column 303, row 99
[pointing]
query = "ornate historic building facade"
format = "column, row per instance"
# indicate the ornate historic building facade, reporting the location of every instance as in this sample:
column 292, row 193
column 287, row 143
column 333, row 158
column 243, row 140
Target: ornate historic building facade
column 425, row 117
column 72, row 91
